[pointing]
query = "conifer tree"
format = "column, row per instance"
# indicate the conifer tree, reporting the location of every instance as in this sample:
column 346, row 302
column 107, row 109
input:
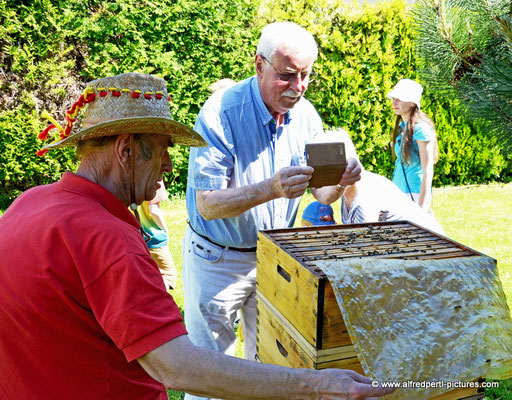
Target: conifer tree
column 465, row 49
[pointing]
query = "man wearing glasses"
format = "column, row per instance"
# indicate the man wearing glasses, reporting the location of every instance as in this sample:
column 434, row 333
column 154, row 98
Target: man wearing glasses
column 250, row 177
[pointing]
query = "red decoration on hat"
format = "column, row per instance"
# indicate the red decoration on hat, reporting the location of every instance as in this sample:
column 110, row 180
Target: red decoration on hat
column 158, row 96
column 42, row 152
column 44, row 133
column 67, row 129
column 147, row 96
column 103, row 93
column 135, row 95
column 90, row 97
column 117, row 94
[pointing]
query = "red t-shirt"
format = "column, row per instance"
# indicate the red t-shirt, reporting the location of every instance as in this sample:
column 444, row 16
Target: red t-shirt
column 80, row 297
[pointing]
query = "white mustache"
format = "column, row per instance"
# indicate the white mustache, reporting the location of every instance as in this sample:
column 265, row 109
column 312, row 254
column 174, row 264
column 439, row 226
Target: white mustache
column 290, row 93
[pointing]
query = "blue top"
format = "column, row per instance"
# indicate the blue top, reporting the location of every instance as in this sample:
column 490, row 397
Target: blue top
column 413, row 170
column 246, row 148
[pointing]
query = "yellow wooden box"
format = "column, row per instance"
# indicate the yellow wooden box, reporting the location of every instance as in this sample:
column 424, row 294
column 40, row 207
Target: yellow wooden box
column 299, row 322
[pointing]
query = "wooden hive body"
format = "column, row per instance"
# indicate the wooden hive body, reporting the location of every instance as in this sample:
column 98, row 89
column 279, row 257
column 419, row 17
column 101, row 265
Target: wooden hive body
column 299, row 322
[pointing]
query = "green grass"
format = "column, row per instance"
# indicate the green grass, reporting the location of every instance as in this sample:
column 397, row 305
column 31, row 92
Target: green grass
column 479, row 217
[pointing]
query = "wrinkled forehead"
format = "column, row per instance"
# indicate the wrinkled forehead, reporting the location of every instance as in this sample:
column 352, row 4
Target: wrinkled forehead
column 292, row 58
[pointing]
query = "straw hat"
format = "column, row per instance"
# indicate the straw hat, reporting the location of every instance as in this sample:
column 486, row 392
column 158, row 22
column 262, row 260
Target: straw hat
column 126, row 103
column 407, row 90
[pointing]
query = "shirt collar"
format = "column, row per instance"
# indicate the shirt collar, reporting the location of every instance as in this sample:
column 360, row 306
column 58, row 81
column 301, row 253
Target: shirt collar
column 263, row 112
column 84, row 187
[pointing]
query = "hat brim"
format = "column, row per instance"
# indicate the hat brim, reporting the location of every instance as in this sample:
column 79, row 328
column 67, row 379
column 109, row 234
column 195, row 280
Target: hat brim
column 179, row 133
column 395, row 94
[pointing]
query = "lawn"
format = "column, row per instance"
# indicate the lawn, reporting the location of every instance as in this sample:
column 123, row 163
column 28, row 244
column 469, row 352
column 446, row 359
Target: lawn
column 479, row 217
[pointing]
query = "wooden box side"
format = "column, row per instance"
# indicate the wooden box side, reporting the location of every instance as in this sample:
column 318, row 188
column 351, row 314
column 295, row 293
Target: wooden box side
column 274, row 345
column 333, row 330
column 290, row 287
column 277, row 343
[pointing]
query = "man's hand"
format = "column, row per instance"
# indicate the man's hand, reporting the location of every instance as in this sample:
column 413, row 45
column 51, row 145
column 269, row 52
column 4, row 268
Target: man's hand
column 347, row 384
column 352, row 173
column 291, row 182
column 329, row 194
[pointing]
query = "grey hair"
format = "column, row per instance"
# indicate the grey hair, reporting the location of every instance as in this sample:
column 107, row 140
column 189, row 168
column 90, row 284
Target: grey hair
column 286, row 34
column 146, row 146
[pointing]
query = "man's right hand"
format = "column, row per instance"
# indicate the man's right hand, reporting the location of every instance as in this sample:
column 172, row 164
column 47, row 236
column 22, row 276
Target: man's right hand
column 290, row 182
column 347, row 384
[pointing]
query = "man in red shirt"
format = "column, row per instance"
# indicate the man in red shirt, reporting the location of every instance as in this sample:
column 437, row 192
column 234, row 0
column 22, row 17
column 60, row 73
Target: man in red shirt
column 84, row 311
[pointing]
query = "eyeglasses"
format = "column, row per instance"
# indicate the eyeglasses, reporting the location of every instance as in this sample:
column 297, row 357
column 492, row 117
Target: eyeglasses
column 292, row 76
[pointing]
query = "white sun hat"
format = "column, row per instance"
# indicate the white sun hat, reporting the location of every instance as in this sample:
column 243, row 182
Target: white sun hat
column 407, row 90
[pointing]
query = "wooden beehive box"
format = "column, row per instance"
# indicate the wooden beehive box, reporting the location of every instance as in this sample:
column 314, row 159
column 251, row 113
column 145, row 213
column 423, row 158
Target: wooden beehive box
column 299, row 322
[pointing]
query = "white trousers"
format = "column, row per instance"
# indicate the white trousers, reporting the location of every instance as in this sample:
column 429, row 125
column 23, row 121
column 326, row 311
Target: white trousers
column 217, row 284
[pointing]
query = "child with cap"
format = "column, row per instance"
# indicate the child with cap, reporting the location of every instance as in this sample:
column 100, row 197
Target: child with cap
column 317, row 214
column 415, row 143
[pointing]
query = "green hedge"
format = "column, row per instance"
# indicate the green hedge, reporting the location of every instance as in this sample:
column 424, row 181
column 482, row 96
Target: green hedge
column 51, row 48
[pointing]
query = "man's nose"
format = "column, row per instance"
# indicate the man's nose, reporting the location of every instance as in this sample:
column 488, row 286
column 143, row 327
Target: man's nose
column 297, row 84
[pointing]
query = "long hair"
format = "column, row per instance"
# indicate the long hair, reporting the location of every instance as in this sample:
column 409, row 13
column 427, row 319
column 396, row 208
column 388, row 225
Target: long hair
column 407, row 146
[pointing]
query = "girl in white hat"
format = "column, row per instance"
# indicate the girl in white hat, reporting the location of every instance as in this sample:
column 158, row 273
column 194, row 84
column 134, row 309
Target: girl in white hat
column 415, row 143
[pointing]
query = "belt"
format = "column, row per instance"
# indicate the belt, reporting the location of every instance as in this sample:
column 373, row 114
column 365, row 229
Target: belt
column 242, row 249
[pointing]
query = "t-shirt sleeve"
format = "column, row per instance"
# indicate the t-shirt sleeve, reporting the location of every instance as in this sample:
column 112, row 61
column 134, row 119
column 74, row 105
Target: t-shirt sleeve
column 210, row 168
column 423, row 132
column 131, row 304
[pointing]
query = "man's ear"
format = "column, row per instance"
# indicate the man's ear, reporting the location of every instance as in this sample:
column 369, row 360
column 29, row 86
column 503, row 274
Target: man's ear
column 259, row 61
column 123, row 150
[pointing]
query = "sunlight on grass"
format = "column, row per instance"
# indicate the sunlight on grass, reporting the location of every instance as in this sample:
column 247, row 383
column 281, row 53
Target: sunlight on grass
column 176, row 217
column 480, row 217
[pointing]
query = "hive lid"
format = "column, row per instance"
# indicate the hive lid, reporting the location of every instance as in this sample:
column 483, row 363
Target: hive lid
column 396, row 240
column 425, row 320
